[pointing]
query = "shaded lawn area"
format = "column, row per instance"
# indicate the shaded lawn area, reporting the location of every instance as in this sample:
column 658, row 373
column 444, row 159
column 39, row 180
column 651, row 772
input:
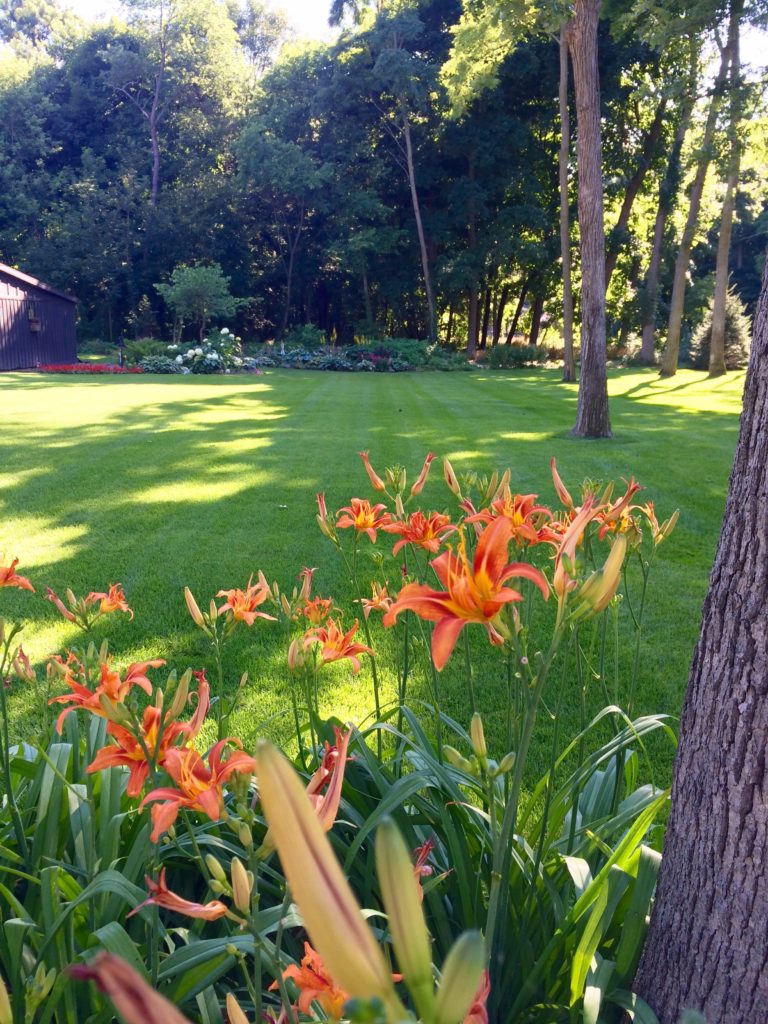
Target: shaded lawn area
column 163, row 482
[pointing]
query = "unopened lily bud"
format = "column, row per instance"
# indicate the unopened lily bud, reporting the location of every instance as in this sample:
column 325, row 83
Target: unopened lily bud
column 235, row 1014
column 193, row 609
column 596, row 593
column 22, row 666
column 296, row 658
column 450, row 478
column 453, row 757
column 418, row 487
column 285, row 604
column 71, row 596
column 233, row 950
column 462, row 972
column 213, row 611
column 2, row 631
column 410, row 937
column 668, row 526
column 399, row 507
column 306, row 583
column 218, row 887
column 242, row 883
column 215, row 867
column 507, row 763
column 179, row 702
column 243, row 680
column 159, row 699
column 117, row 713
column 477, row 734
column 245, row 835
column 376, row 482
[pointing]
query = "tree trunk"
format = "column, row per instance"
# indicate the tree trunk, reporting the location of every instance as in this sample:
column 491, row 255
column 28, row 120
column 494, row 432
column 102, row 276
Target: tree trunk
column 486, row 318
column 707, row 946
column 667, row 191
column 592, row 419
column 473, row 321
column 518, row 311
column 432, row 323
column 501, row 306
column 569, row 365
column 717, row 342
column 536, row 311
column 367, row 299
column 650, row 143
column 449, row 329
column 677, row 303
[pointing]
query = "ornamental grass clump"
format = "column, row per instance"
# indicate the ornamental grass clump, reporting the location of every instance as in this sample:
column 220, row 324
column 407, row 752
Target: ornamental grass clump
column 403, row 869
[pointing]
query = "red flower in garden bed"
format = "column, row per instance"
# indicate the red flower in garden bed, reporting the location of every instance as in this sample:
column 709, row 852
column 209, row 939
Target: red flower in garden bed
column 87, row 368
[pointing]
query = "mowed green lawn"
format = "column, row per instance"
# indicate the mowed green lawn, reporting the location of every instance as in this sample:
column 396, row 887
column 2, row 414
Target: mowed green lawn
column 164, row 482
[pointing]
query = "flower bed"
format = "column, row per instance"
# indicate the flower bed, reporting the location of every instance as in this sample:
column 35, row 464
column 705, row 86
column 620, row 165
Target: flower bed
column 187, row 877
column 92, row 368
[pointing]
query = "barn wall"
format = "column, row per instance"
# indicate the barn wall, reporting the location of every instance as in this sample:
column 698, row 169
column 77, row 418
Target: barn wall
column 21, row 347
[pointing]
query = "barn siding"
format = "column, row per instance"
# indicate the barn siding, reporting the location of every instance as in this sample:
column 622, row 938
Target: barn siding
column 20, row 347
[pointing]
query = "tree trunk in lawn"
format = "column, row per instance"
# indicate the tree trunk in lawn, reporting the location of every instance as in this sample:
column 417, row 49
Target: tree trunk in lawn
column 707, row 946
column 569, row 365
column 717, row 341
column 498, row 320
column 518, row 311
column 425, row 268
column 635, row 182
column 536, row 311
column 486, row 318
column 677, row 303
column 592, row 418
column 667, row 192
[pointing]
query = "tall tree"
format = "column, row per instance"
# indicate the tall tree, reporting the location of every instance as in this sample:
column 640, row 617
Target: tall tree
column 569, row 368
column 706, row 945
column 677, row 302
column 592, row 417
column 717, row 342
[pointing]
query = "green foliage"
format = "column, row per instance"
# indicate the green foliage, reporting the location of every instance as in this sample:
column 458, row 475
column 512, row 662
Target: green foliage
column 511, row 356
column 738, row 336
column 159, row 364
column 136, row 351
column 199, row 293
column 307, row 337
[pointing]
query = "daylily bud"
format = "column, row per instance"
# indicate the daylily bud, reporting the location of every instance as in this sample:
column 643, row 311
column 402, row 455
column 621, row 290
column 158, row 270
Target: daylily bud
column 450, row 478
column 507, row 763
column 418, row 487
column 410, row 937
column 245, row 835
column 376, row 482
column 506, row 476
column 241, row 886
column 215, row 867
column 306, row 583
column 285, row 604
column 218, row 887
column 462, row 971
column 455, row 758
column 23, row 668
column 399, row 507
column 70, row 596
column 296, row 652
column 235, row 1014
column 213, row 611
column 193, row 609
column 667, row 527
column 179, row 701
column 562, row 490
column 598, row 590
column 159, row 699
column 477, row 734
column 117, row 713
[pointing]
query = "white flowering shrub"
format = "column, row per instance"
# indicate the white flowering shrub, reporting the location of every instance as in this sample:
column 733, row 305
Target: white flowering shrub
column 221, row 352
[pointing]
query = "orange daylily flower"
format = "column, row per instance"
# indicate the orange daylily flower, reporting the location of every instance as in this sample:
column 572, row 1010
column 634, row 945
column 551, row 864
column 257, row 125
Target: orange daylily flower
column 563, row 581
column 317, row 610
column 363, row 517
column 420, row 867
column 617, row 518
column 418, row 486
column 336, row 644
column 379, row 601
column 113, row 687
column 113, row 601
column 161, row 896
column 422, row 532
column 10, row 578
column 473, row 593
column 376, row 482
column 330, row 773
column 529, row 520
column 243, row 603
column 315, row 985
column 22, row 666
column 135, row 1000
column 199, row 786
column 478, row 1010
column 129, row 752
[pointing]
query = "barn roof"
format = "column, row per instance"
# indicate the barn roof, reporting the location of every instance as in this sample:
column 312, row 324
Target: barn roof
column 26, row 279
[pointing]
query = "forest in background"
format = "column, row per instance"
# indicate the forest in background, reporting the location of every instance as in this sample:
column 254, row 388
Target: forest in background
column 402, row 179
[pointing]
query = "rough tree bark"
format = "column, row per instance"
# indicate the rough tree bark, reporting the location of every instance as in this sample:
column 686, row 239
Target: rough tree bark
column 707, row 946
column 717, row 341
column 518, row 310
column 569, row 365
column 536, row 310
column 592, row 419
column 677, row 302
column 411, row 170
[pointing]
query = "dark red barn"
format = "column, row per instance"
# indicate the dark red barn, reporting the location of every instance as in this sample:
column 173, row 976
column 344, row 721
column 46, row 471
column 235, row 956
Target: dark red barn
column 37, row 322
